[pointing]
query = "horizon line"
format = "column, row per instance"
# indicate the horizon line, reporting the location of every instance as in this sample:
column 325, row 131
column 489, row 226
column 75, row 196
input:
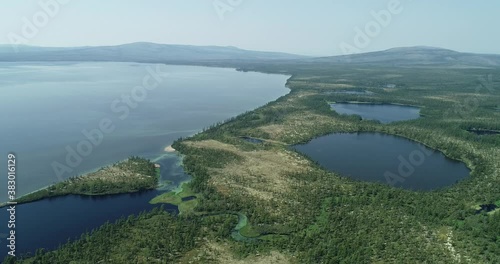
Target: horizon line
column 230, row 46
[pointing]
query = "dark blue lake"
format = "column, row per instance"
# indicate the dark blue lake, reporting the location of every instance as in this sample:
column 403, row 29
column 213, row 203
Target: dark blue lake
column 385, row 113
column 51, row 222
column 387, row 159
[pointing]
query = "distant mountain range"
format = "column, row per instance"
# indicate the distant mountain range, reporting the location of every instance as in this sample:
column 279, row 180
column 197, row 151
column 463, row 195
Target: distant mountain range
column 185, row 54
column 414, row 56
column 141, row 52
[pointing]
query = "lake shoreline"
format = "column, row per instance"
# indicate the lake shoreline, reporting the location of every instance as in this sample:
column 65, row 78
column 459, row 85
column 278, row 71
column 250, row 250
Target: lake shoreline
column 401, row 146
column 69, row 186
column 373, row 103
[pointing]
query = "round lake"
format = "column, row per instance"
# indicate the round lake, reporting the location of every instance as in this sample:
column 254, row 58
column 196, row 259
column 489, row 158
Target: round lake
column 386, row 159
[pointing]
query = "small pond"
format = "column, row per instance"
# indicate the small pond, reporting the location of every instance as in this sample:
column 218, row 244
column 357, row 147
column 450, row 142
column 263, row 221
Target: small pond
column 350, row 92
column 189, row 198
column 484, row 132
column 487, row 208
column 385, row 113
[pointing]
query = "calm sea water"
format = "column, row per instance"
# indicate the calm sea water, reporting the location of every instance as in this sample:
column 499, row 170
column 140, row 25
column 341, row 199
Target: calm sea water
column 385, row 113
column 386, row 159
column 44, row 108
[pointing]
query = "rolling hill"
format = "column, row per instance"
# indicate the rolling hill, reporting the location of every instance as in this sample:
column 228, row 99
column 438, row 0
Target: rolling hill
column 414, row 56
column 232, row 56
column 141, row 52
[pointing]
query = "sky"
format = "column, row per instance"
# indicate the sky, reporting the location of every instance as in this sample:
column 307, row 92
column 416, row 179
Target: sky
column 315, row 28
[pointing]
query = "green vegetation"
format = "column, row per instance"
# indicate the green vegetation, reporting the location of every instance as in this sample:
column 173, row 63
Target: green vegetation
column 133, row 175
column 130, row 239
column 248, row 231
column 175, row 198
column 300, row 213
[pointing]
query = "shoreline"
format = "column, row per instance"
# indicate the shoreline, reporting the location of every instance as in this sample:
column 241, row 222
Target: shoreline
column 19, row 200
column 374, row 103
column 169, row 149
column 85, row 173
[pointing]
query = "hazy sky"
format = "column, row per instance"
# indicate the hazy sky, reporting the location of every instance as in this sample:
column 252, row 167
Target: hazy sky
column 316, row 27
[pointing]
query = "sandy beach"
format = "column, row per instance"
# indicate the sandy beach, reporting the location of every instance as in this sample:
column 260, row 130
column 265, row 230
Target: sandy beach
column 170, row 149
